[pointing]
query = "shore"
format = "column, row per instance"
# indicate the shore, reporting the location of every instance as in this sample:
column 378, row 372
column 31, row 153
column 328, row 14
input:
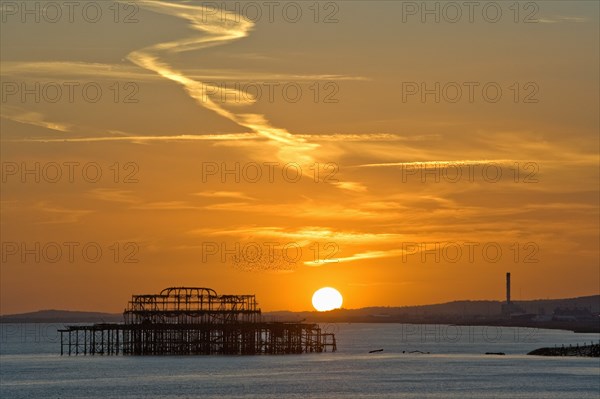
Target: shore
column 592, row 350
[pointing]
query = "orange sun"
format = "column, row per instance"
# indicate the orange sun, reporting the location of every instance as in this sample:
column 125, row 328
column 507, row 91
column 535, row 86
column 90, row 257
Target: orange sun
column 327, row 298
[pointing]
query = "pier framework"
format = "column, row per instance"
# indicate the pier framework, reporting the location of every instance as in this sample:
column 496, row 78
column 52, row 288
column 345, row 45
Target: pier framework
column 194, row 321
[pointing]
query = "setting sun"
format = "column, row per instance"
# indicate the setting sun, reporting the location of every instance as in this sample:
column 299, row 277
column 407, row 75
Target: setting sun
column 327, row 298
column 177, row 177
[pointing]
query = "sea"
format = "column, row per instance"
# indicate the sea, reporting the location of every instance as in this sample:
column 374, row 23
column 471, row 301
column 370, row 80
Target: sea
column 417, row 361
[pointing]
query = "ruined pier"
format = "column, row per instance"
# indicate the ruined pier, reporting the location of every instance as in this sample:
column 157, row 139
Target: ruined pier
column 194, row 321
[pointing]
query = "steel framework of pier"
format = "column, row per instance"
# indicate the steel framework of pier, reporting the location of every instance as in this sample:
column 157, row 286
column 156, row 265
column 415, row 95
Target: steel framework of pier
column 194, row 321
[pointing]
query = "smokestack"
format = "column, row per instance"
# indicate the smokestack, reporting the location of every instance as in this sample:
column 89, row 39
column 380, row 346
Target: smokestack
column 508, row 288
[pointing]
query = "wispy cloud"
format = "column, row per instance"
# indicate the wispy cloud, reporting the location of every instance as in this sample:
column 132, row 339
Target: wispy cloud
column 57, row 215
column 360, row 256
column 351, row 186
column 224, row 194
column 303, row 210
column 67, row 70
column 124, row 136
column 306, row 233
column 168, row 206
column 113, row 195
column 16, row 114
column 461, row 162
column 216, row 31
column 561, row 19
column 345, row 137
column 145, row 139
column 70, row 70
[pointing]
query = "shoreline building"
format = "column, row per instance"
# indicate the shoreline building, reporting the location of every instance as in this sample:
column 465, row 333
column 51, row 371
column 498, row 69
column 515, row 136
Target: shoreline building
column 509, row 308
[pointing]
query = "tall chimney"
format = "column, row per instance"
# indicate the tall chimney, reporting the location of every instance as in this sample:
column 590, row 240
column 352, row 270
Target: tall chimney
column 508, row 288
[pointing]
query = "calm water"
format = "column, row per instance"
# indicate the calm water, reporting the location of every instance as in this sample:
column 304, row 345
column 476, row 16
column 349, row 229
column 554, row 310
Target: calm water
column 456, row 367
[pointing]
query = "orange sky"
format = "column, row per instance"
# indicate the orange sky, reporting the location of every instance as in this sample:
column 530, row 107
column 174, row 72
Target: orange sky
column 420, row 181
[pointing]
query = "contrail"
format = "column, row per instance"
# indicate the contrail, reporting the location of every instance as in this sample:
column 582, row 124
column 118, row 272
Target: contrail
column 217, row 28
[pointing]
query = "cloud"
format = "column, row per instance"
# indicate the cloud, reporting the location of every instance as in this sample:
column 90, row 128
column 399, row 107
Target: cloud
column 113, row 195
column 148, row 139
column 351, row 186
column 217, row 29
column 363, row 137
column 168, row 206
column 308, row 233
column 360, row 256
column 70, row 70
column 124, row 136
column 303, row 210
column 561, row 19
column 224, row 194
column 16, row 114
column 440, row 163
column 329, row 241
column 58, row 215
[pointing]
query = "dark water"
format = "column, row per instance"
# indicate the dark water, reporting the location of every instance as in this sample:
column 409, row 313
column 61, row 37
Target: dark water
column 456, row 367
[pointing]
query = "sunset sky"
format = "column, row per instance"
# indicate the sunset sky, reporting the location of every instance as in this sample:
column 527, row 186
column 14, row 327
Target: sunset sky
column 348, row 98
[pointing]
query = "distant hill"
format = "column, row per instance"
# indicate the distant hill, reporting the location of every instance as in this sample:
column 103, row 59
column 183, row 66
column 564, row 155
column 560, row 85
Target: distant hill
column 451, row 312
column 62, row 316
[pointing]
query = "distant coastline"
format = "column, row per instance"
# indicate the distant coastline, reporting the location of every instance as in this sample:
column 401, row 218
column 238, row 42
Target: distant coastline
column 592, row 350
column 61, row 316
column 477, row 313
